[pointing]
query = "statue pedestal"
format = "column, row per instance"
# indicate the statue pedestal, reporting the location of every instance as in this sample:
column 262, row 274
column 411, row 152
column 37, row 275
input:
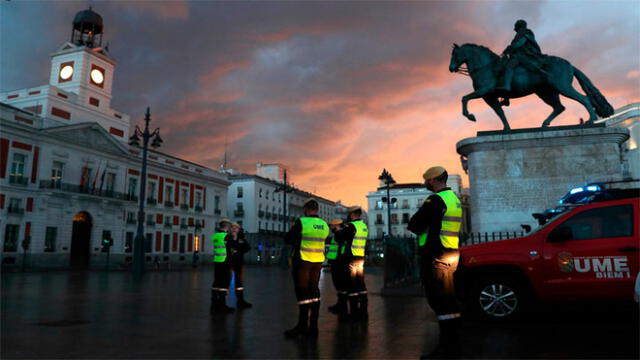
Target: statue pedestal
column 514, row 174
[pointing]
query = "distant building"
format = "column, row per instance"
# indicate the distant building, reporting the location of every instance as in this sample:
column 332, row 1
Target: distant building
column 257, row 203
column 628, row 116
column 409, row 197
column 69, row 179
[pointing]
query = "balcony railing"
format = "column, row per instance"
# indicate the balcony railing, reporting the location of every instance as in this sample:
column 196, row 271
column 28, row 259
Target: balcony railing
column 183, row 226
column 268, row 215
column 238, row 213
column 131, row 220
column 379, row 222
column 260, row 213
column 65, row 187
column 168, row 224
column 15, row 210
column 168, row 204
column 217, row 211
column 198, row 208
column 151, row 201
column 18, row 180
column 184, row 207
column 151, row 222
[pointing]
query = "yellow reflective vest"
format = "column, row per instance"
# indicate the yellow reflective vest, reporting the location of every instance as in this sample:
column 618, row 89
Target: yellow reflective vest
column 332, row 254
column 451, row 221
column 359, row 242
column 314, row 233
column 219, row 247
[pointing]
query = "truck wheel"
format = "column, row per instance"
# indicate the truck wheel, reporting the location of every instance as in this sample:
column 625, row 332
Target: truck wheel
column 499, row 298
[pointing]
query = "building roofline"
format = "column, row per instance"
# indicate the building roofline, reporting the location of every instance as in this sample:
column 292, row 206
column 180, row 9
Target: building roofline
column 276, row 183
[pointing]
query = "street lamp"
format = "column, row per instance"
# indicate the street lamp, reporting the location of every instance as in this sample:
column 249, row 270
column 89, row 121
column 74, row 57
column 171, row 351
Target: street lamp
column 285, row 188
column 388, row 181
column 134, row 140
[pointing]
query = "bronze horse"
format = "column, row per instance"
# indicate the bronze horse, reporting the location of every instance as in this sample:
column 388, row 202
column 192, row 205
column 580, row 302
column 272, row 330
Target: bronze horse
column 483, row 66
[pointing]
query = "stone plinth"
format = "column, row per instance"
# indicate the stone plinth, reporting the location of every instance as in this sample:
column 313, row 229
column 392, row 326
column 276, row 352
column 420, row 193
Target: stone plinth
column 513, row 175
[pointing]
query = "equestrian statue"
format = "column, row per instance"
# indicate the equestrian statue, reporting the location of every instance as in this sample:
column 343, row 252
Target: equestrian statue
column 523, row 70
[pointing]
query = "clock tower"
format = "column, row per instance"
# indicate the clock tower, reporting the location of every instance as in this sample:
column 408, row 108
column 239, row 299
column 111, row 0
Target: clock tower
column 83, row 66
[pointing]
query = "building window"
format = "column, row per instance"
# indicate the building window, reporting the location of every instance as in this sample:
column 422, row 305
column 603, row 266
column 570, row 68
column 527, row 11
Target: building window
column 259, row 225
column 50, row 239
column 17, row 166
column 239, row 206
column 216, row 203
column 239, row 191
column 405, row 203
column 419, row 202
column 11, row 238
column 405, row 218
column 133, row 186
column 148, row 242
column 168, row 190
column 185, row 196
column 394, row 218
column 267, row 195
column 260, row 192
column 106, row 235
column 166, row 243
column 15, row 206
column 151, row 190
column 128, row 242
column 379, row 204
column 57, row 169
column 182, row 243
column 199, row 199
column 379, row 219
column 111, row 181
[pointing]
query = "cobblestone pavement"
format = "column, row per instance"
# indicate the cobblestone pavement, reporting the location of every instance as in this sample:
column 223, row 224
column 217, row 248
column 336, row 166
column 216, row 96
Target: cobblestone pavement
column 108, row 315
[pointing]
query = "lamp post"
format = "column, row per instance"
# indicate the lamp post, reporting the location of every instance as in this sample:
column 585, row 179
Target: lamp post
column 134, row 140
column 388, row 181
column 285, row 188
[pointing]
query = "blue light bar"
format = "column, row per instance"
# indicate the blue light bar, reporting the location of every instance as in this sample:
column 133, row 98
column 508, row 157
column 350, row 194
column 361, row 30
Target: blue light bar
column 593, row 188
column 576, row 190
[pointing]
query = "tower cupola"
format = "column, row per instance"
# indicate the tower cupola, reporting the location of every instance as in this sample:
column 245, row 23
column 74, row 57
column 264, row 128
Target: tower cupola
column 87, row 29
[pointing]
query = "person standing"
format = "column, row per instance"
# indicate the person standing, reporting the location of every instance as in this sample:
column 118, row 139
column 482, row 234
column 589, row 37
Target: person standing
column 307, row 236
column 221, row 242
column 354, row 239
column 338, row 271
column 437, row 224
column 239, row 247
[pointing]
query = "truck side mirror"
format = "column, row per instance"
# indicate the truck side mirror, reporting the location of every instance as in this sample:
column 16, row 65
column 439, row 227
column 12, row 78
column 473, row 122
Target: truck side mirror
column 562, row 233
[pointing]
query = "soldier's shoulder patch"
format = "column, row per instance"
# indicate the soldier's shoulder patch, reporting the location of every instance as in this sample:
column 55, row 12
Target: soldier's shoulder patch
column 428, row 200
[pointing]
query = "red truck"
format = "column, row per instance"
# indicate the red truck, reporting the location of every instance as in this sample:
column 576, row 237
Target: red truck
column 589, row 252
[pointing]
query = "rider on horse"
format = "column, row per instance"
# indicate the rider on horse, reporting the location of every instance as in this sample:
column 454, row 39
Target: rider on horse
column 525, row 51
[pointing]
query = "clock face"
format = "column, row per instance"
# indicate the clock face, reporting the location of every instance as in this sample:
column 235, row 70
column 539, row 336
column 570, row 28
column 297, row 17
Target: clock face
column 97, row 76
column 66, row 72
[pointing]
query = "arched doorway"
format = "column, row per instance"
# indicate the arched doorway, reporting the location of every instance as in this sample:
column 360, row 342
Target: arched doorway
column 81, row 240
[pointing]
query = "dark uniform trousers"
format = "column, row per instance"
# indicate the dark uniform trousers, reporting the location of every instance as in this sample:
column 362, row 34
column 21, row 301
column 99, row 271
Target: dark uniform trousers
column 339, row 275
column 306, row 276
column 220, row 286
column 358, row 299
column 437, row 280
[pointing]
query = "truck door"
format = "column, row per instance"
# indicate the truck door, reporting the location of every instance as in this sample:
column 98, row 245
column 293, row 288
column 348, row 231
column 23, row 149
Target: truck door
column 593, row 254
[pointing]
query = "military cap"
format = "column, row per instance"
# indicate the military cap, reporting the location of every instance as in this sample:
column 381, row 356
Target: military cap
column 433, row 172
column 309, row 200
column 225, row 220
column 353, row 208
column 336, row 222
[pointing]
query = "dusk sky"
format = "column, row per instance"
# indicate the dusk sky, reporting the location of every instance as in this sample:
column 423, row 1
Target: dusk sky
column 336, row 91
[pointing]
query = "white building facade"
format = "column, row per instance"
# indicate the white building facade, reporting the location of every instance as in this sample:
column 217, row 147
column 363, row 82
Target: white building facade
column 69, row 180
column 409, row 198
column 628, row 116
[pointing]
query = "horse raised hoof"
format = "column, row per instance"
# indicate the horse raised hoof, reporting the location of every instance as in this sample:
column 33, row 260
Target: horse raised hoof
column 471, row 117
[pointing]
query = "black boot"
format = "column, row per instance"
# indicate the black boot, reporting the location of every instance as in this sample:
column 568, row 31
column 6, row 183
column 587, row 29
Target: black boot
column 363, row 312
column 313, row 319
column 242, row 304
column 222, row 307
column 354, row 312
column 303, row 319
column 341, row 306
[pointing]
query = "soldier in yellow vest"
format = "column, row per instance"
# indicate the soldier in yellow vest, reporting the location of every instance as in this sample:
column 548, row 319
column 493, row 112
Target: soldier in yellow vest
column 221, row 242
column 354, row 240
column 437, row 224
column 338, row 269
column 307, row 237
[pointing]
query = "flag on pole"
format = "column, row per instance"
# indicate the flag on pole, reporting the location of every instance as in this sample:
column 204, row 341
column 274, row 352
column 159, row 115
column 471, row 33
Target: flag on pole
column 95, row 179
column 104, row 172
column 83, row 178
